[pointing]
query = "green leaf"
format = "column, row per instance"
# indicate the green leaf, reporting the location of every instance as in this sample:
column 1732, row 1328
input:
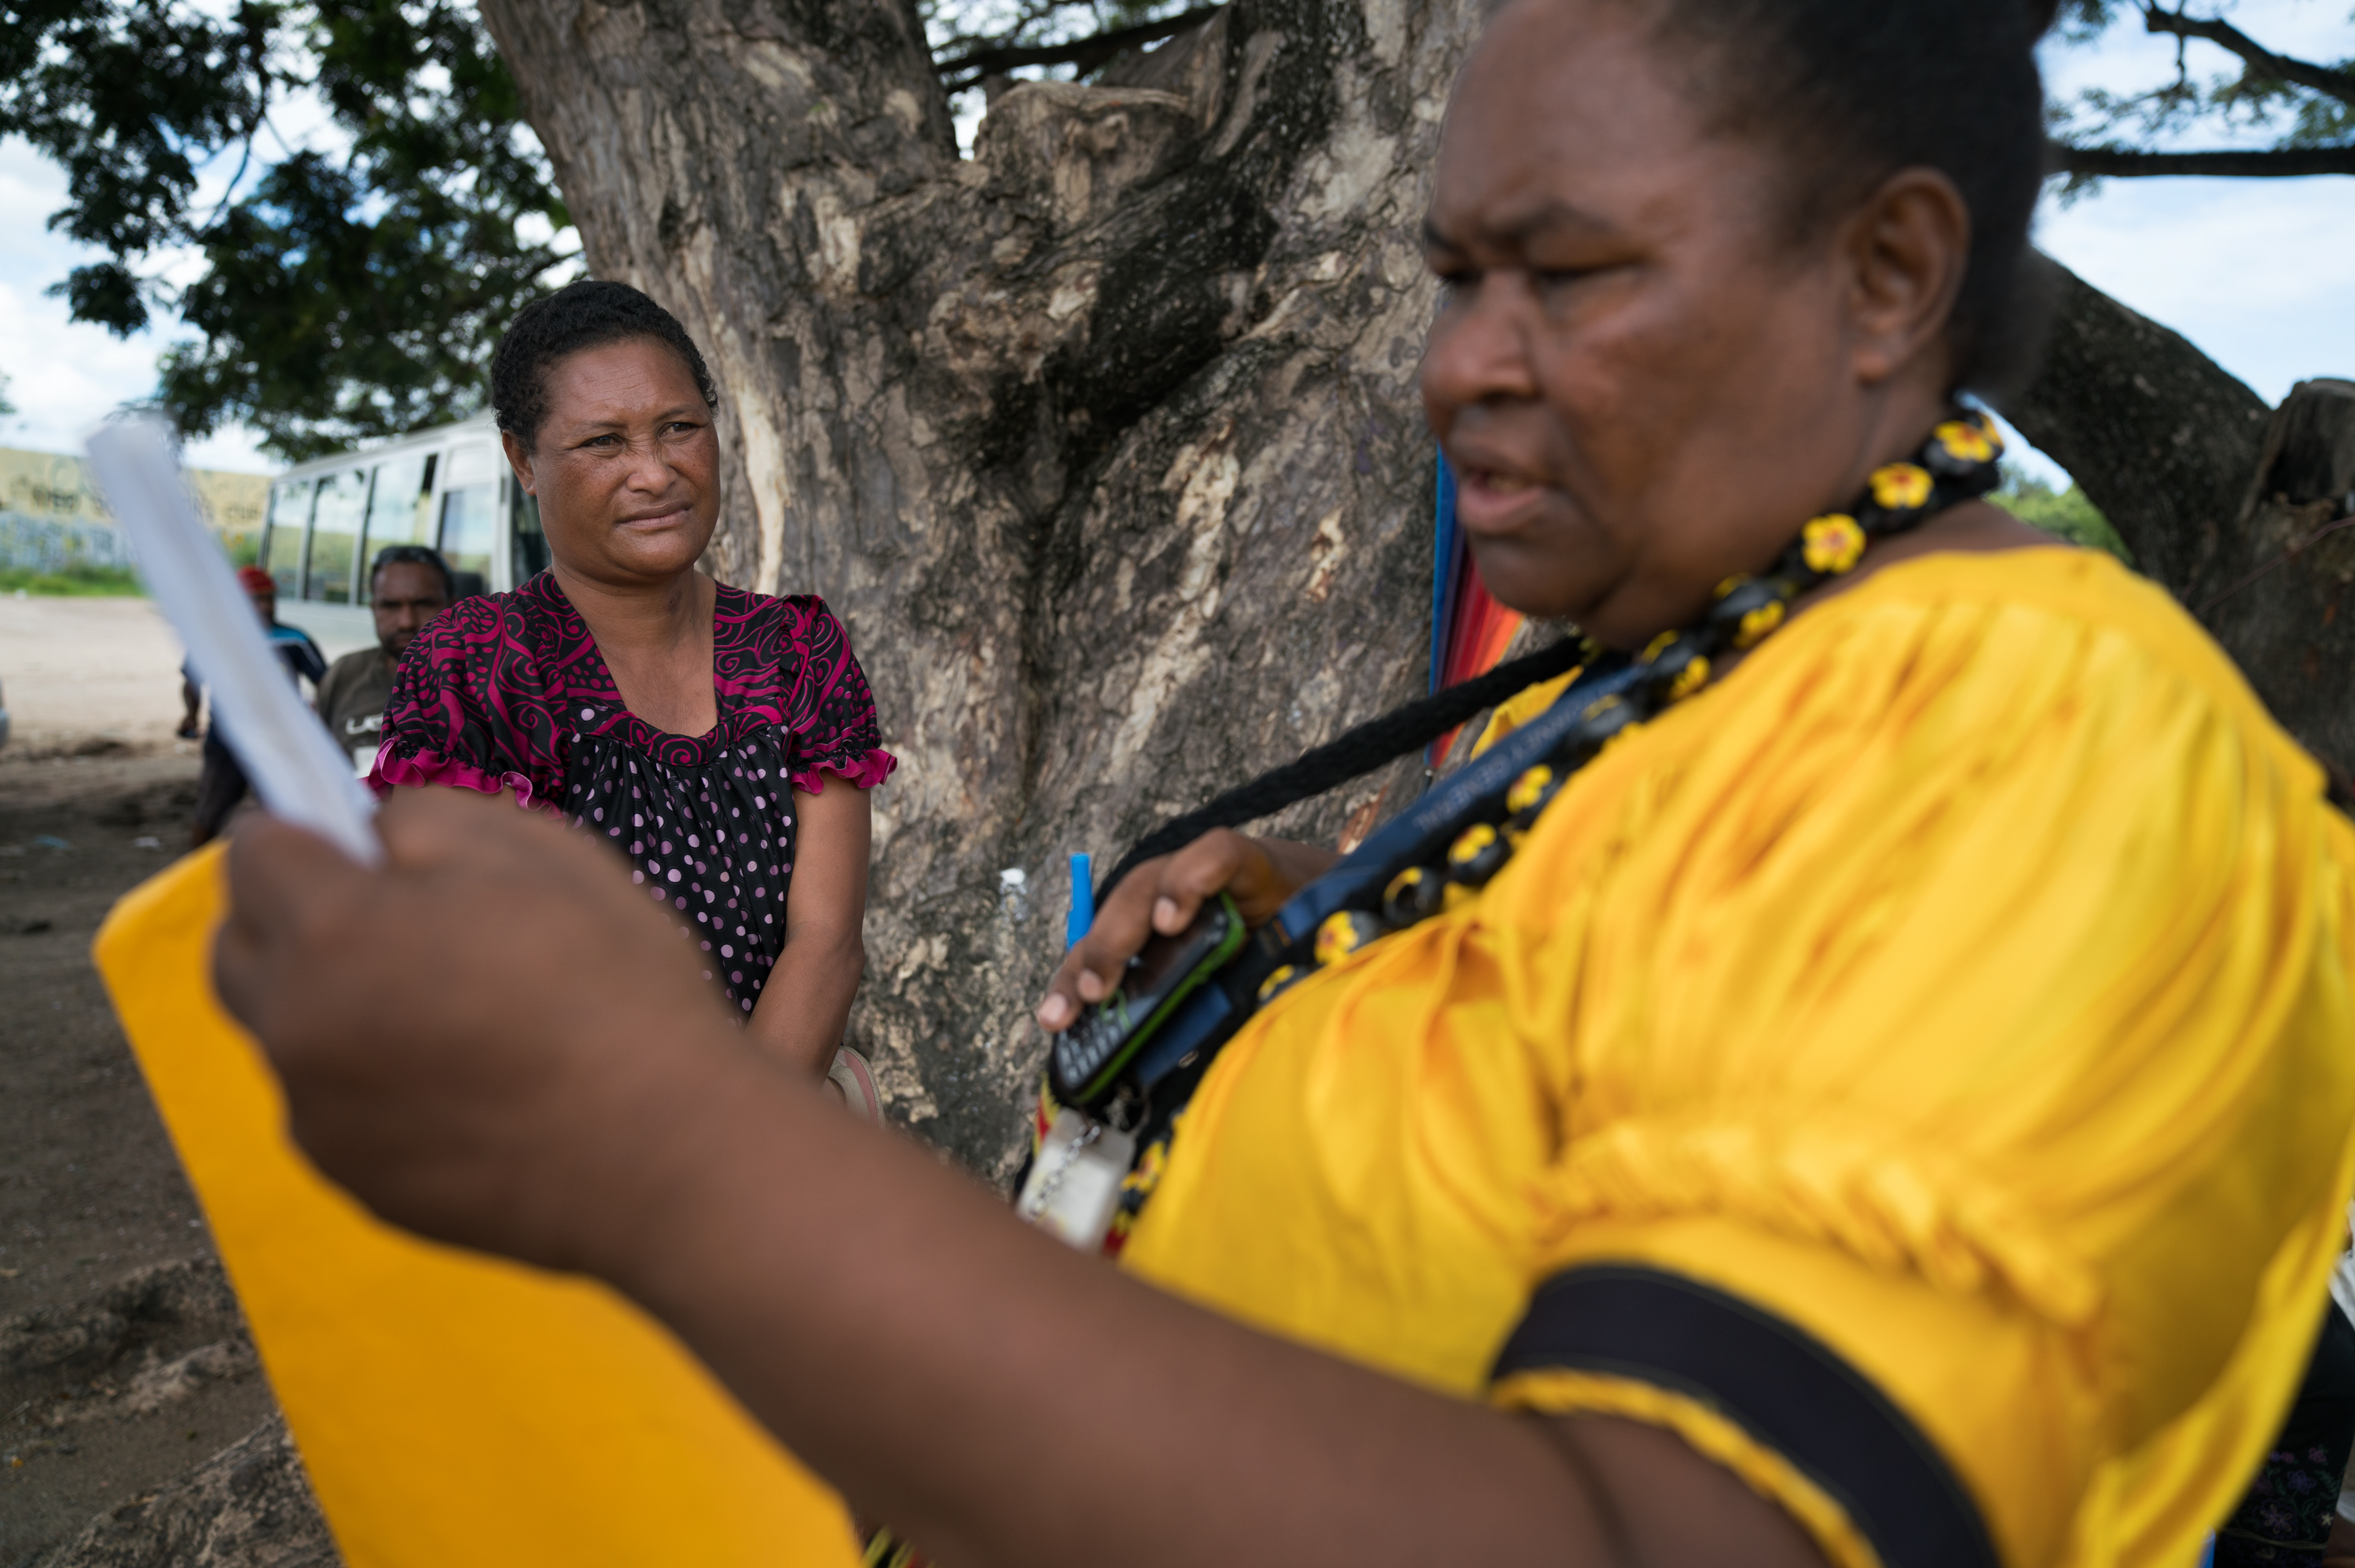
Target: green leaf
column 2066, row 514
column 344, row 296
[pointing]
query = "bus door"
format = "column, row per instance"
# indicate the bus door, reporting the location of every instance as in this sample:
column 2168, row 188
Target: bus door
column 469, row 529
column 283, row 531
column 401, row 508
column 338, row 512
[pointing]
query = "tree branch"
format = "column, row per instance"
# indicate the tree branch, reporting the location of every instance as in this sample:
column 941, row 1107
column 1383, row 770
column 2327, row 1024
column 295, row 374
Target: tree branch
column 2278, row 163
column 2161, row 438
column 961, row 71
column 244, row 161
column 2260, row 60
column 1032, row 15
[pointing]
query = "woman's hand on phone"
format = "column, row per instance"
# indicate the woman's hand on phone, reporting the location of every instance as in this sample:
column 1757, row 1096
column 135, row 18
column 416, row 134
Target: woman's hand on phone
column 1163, row 895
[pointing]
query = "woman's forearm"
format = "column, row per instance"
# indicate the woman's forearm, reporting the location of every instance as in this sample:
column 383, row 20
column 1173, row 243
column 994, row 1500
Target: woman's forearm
column 1003, row 1399
column 1163, row 894
column 1060, row 1413
column 807, row 998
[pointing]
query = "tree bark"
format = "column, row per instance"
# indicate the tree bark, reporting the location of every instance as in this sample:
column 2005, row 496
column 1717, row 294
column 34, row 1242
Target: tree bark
column 2161, row 438
column 2222, row 500
column 2276, row 595
column 1105, row 444
column 1089, row 55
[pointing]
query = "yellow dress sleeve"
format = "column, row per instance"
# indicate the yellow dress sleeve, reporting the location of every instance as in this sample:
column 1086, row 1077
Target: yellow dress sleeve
column 1916, row 1069
column 1979, row 1055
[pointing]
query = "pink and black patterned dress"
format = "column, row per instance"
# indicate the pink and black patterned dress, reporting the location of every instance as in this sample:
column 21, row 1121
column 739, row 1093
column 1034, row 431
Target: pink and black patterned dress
column 508, row 692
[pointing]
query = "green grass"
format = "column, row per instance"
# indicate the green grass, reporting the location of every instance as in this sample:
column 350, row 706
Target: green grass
column 2065, row 513
column 74, row 582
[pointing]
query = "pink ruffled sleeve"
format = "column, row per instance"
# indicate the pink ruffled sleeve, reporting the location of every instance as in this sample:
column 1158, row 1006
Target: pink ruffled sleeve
column 827, row 706
column 470, row 710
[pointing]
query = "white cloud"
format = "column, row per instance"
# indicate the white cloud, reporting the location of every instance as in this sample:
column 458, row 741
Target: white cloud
column 64, row 377
column 2259, row 274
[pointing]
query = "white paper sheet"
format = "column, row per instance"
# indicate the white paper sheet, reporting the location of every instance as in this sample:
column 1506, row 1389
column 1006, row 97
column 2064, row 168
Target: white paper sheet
column 294, row 764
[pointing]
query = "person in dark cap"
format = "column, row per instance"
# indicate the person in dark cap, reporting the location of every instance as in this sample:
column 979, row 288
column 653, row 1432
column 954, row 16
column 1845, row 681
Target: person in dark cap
column 221, row 786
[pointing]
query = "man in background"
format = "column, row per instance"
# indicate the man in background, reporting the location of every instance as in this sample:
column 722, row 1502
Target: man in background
column 408, row 585
column 221, row 786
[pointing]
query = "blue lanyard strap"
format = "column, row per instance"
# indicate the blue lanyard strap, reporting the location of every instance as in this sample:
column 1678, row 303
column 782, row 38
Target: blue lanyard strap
column 1472, row 795
column 1206, row 1019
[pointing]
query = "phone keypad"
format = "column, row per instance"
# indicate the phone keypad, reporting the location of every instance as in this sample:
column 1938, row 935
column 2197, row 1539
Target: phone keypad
column 1083, row 1050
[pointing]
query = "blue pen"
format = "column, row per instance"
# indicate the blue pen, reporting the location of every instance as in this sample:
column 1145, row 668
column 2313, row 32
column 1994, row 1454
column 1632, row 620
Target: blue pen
column 1084, row 901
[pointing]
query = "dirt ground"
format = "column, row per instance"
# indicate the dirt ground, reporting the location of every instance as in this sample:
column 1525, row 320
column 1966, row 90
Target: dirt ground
column 135, row 1424
column 83, row 672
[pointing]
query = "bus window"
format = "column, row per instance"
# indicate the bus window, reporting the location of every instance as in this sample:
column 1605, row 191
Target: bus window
column 401, row 508
column 282, row 541
column 335, row 523
column 530, row 543
column 470, row 526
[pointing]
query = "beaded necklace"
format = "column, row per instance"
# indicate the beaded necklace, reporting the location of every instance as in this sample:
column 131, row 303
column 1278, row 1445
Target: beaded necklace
column 1957, row 463
column 1443, row 849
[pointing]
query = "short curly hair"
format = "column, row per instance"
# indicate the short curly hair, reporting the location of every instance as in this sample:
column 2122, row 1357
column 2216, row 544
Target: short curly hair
column 586, row 314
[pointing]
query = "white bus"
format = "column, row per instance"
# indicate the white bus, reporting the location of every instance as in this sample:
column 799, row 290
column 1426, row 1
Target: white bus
column 450, row 488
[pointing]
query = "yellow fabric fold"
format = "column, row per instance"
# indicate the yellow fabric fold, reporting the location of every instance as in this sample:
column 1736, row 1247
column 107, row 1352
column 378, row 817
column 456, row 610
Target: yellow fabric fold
column 1964, row 979
column 1895, row 1207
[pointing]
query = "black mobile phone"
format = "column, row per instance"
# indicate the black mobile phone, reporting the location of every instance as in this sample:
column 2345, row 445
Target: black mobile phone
column 1088, row 1057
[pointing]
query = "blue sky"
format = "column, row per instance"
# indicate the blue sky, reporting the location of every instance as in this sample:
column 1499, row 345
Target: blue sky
column 2259, row 273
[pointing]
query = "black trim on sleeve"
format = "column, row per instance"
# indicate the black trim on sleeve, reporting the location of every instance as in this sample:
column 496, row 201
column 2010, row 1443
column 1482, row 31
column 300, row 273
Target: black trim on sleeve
column 1787, row 1389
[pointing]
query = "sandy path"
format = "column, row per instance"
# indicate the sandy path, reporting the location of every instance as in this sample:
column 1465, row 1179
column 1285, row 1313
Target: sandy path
column 134, row 1419
column 78, row 671
column 78, row 668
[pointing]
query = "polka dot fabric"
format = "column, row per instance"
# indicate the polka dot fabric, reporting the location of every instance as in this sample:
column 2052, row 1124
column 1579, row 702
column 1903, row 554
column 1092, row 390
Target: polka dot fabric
column 507, row 693
column 713, row 840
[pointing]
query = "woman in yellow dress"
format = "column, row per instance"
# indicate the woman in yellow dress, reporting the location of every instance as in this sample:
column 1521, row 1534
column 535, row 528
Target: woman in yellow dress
column 1891, row 1104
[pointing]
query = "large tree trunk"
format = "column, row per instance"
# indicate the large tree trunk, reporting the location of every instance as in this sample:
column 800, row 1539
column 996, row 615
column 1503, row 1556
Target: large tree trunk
column 2276, row 595
column 1105, row 444
column 2228, row 503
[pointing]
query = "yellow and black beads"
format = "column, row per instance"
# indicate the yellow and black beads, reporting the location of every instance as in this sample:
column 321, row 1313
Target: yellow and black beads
column 1956, row 463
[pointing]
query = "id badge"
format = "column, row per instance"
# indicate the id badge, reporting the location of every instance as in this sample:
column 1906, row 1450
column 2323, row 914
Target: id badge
column 1074, row 1185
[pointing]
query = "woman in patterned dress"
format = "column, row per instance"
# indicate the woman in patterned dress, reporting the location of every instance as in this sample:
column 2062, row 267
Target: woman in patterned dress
column 691, row 724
